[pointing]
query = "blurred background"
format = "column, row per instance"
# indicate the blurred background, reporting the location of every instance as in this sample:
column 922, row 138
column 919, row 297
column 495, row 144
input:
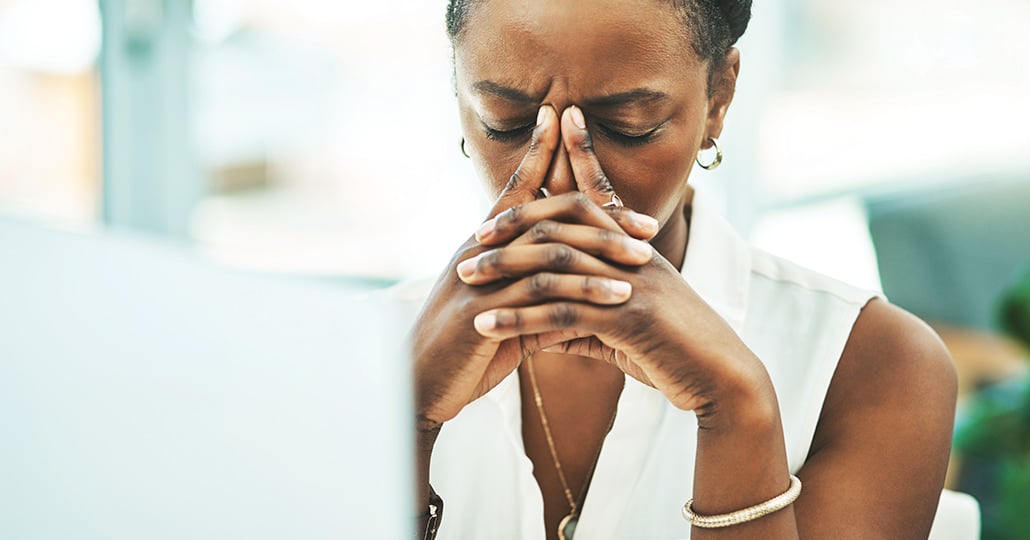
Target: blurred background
column 881, row 142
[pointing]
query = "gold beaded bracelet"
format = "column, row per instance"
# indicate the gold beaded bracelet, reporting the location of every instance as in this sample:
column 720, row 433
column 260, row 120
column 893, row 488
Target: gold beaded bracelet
column 752, row 513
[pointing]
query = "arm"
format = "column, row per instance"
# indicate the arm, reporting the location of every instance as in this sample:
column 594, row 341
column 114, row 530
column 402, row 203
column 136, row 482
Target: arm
column 877, row 463
column 878, row 457
column 884, row 436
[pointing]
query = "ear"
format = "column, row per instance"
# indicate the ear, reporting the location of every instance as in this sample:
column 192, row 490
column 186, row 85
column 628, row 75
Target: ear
column 723, row 86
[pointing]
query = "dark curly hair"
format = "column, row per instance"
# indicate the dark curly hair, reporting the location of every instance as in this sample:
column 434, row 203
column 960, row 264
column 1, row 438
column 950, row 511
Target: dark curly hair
column 713, row 25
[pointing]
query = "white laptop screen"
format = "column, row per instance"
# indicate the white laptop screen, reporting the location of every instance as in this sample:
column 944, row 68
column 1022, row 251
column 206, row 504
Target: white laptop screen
column 147, row 394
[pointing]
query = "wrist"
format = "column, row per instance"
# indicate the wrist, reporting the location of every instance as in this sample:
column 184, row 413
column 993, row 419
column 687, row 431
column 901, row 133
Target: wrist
column 741, row 457
column 745, row 402
column 424, row 443
column 425, row 440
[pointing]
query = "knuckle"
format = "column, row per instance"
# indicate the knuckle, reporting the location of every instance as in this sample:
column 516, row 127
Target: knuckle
column 509, row 219
column 563, row 315
column 586, row 144
column 582, row 203
column 509, row 319
column 489, row 263
column 593, row 287
column 543, row 231
column 639, row 312
column 609, row 238
column 466, row 307
column 541, row 285
column 514, row 181
column 534, row 143
column 561, row 257
column 601, row 182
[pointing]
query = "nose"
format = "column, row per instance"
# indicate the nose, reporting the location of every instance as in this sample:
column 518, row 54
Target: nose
column 559, row 177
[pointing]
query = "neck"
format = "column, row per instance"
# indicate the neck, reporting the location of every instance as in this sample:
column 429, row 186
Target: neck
column 671, row 241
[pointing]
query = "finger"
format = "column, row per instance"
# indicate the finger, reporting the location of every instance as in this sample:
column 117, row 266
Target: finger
column 551, row 340
column 616, row 247
column 529, row 177
column 590, row 347
column 590, row 177
column 635, row 224
column 510, row 322
column 574, row 207
column 549, row 286
column 521, row 261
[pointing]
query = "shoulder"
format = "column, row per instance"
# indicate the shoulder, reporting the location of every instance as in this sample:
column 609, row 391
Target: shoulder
column 894, row 370
column 896, row 358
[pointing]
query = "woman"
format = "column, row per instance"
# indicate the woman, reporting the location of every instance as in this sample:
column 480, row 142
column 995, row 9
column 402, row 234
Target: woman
column 601, row 283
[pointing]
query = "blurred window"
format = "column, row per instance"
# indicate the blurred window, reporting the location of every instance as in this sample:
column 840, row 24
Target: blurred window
column 49, row 103
column 878, row 93
column 321, row 137
column 328, row 133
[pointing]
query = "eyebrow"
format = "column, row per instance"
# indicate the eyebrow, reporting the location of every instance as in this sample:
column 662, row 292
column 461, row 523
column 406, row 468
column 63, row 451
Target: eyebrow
column 641, row 96
column 506, row 92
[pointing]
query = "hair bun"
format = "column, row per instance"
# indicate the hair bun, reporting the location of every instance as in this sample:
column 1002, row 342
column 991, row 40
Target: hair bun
column 737, row 14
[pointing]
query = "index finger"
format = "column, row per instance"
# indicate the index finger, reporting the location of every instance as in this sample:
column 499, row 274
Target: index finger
column 590, row 177
column 528, row 178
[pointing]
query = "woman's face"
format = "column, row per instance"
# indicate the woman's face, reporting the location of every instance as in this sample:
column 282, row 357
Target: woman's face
column 627, row 63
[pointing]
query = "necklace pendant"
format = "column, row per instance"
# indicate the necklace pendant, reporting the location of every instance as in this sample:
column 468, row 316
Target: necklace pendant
column 567, row 526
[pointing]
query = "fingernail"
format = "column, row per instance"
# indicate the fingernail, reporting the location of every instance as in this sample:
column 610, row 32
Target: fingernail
column 485, row 322
column 639, row 248
column 621, row 289
column 467, row 268
column 486, row 229
column 542, row 115
column 577, row 117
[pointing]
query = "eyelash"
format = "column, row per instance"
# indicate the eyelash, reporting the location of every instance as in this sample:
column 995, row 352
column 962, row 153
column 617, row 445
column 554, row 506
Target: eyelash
column 510, row 135
column 628, row 140
column 617, row 137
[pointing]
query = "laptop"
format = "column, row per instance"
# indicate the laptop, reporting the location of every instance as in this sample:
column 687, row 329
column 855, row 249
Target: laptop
column 148, row 394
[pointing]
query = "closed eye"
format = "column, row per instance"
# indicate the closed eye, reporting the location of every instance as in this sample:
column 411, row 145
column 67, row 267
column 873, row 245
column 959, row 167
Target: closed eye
column 509, row 135
column 626, row 139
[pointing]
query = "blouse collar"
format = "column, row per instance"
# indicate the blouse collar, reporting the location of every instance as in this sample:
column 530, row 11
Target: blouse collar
column 717, row 263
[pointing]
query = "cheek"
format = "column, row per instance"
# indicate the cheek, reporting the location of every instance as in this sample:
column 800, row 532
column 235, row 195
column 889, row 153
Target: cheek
column 495, row 167
column 493, row 162
column 650, row 179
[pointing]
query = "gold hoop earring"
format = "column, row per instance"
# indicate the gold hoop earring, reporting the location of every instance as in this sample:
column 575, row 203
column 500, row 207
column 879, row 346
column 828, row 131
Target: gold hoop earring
column 715, row 162
column 462, row 146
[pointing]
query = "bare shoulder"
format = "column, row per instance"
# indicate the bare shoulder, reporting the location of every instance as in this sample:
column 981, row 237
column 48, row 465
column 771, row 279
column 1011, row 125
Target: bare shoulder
column 895, row 357
column 884, row 434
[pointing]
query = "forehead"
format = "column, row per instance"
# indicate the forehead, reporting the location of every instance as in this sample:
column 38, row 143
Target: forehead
column 587, row 47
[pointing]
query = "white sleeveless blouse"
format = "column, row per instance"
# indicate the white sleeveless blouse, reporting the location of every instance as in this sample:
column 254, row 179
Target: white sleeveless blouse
column 795, row 320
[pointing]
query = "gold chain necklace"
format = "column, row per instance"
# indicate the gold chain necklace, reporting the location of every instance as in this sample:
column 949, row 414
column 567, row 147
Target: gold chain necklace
column 567, row 525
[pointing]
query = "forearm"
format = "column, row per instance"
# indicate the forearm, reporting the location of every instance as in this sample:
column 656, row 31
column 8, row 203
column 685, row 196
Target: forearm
column 741, row 462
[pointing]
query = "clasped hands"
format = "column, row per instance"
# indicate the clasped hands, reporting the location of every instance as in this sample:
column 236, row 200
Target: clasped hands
column 567, row 274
